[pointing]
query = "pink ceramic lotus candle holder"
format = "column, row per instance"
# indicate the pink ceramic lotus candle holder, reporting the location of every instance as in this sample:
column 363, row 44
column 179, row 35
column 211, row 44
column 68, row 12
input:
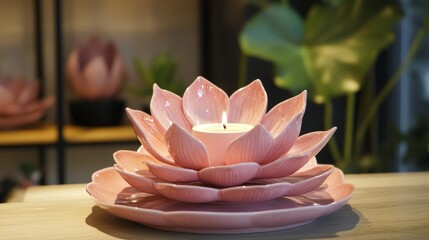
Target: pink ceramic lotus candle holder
column 207, row 147
column 19, row 102
column 223, row 142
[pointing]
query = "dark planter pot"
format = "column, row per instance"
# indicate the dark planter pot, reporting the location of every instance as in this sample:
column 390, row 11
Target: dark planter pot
column 97, row 113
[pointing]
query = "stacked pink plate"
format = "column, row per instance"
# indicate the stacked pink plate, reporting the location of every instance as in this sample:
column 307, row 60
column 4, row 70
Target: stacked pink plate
column 210, row 163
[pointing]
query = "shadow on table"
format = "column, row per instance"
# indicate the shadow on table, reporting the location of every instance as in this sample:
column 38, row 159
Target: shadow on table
column 326, row 227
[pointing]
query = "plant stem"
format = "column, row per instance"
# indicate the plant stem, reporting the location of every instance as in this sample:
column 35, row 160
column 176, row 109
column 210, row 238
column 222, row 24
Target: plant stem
column 374, row 147
column 333, row 146
column 391, row 83
column 349, row 127
column 242, row 70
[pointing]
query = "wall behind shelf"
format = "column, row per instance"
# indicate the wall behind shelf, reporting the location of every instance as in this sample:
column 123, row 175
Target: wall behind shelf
column 140, row 28
column 16, row 38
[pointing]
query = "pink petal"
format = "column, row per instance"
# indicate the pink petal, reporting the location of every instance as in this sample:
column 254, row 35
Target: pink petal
column 171, row 173
column 309, row 165
column 186, row 150
column 283, row 166
column 301, row 182
column 116, row 78
column 94, row 79
column 110, row 53
column 130, row 165
column 248, row 104
column 6, row 97
column 88, row 50
column 130, row 160
column 141, row 149
column 29, row 93
column 39, row 105
column 265, row 189
column 108, row 179
column 140, row 182
column 313, row 179
column 281, row 114
column 74, row 75
column 166, row 108
column 284, row 123
column 335, row 179
column 333, row 188
column 285, row 140
column 188, row 193
column 251, row 147
column 149, row 135
column 312, row 143
column 253, row 193
column 204, row 102
column 230, row 175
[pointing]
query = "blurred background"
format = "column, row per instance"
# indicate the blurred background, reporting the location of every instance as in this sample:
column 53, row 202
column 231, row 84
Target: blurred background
column 363, row 63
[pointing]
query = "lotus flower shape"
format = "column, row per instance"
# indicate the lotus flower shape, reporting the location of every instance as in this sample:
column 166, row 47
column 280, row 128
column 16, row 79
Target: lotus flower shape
column 206, row 141
column 95, row 70
column 19, row 103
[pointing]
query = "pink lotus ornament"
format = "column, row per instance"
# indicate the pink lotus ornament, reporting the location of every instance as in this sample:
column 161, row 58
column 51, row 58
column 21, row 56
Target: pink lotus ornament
column 207, row 140
column 95, row 70
column 19, row 102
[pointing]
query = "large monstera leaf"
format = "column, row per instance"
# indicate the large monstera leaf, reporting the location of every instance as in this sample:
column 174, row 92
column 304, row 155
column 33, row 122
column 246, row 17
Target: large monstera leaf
column 330, row 52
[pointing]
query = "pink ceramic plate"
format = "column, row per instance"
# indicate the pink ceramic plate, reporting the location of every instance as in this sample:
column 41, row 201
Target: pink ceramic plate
column 112, row 193
column 250, row 192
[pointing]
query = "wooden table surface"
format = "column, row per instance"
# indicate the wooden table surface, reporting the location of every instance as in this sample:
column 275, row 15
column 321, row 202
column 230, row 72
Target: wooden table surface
column 384, row 206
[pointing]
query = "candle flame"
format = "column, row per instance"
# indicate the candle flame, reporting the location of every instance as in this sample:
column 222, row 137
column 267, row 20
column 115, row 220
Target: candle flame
column 224, row 120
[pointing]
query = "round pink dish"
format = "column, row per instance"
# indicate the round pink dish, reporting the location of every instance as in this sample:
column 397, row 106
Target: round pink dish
column 115, row 195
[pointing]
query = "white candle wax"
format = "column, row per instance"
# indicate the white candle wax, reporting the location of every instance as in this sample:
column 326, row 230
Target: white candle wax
column 217, row 136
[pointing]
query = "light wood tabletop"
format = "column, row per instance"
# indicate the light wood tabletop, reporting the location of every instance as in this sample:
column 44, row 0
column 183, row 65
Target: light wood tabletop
column 384, row 206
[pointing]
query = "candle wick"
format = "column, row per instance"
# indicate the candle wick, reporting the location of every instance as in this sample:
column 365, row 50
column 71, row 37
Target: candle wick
column 224, row 126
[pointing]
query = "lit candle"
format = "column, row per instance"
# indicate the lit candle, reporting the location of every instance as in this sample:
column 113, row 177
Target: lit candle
column 217, row 136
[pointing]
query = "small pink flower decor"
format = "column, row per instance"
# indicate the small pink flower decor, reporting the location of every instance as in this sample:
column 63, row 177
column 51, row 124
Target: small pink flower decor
column 208, row 147
column 96, row 73
column 95, row 70
column 19, row 102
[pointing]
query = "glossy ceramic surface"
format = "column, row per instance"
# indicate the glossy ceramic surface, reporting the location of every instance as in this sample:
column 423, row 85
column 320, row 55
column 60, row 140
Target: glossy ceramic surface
column 305, row 148
column 256, row 190
column 116, row 196
column 167, row 134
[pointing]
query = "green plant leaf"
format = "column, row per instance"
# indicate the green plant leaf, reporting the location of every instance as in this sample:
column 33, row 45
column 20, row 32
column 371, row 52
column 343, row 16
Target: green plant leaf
column 163, row 69
column 330, row 53
column 145, row 76
column 136, row 90
column 276, row 34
